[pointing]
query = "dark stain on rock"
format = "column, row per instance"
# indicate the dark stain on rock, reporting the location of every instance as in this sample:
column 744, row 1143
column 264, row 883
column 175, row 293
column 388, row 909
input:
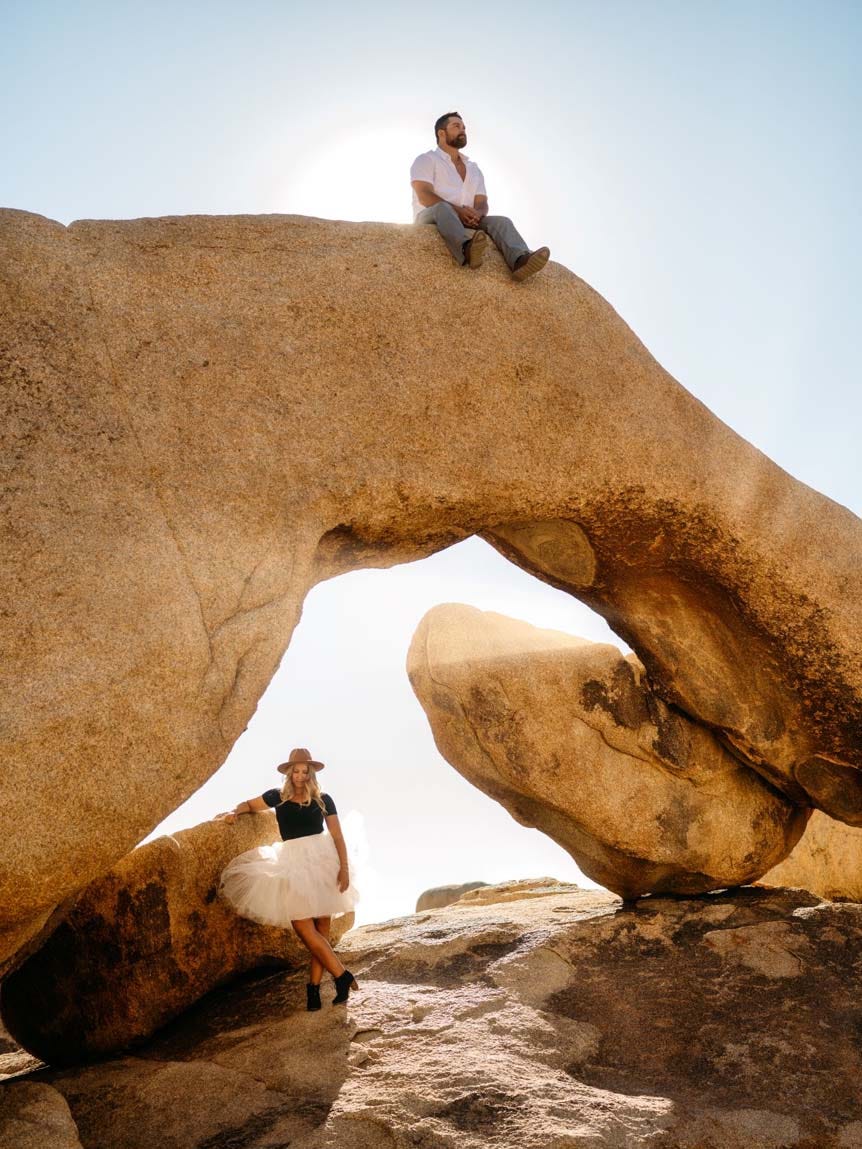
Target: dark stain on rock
column 622, row 698
column 481, row 1110
column 143, row 920
column 672, row 743
column 674, row 821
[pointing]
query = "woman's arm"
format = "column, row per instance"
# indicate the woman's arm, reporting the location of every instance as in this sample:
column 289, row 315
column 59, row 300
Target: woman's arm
column 250, row 806
column 334, row 827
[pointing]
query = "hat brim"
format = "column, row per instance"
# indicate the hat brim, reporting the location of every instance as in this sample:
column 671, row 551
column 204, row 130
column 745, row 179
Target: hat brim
column 286, row 766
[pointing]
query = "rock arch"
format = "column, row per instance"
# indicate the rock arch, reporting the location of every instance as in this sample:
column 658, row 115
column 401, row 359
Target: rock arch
column 208, row 415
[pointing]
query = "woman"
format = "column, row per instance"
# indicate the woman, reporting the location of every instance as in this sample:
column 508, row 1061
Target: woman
column 302, row 880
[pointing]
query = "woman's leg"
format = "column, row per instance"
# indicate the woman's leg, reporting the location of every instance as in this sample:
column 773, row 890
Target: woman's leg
column 318, row 945
column 316, row 970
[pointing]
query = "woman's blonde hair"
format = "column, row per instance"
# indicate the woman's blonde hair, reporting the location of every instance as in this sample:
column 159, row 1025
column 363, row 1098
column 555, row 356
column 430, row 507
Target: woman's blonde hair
column 313, row 787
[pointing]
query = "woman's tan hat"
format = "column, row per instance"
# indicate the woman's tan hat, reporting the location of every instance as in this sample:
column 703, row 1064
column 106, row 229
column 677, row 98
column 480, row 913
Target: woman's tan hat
column 299, row 755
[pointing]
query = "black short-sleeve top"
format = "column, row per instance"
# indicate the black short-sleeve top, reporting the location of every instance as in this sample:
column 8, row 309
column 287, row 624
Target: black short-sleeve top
column 295, row 820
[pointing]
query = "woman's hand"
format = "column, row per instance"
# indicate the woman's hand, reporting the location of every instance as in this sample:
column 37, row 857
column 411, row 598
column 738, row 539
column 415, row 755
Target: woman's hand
column 343, row 878
column 252, row 806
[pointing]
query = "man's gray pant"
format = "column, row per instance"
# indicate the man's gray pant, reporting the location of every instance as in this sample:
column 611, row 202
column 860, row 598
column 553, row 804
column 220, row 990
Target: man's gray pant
column 501, row 229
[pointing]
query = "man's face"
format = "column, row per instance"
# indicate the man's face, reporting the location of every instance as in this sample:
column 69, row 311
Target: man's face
column 456, row 133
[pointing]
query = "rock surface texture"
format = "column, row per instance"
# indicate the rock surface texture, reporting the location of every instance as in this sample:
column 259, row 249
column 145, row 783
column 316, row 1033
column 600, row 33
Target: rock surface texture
column 142, row 944
column 35, row 1116
column 827, row 860
column 557, row 1021
column 569, row 737
column 161, row 529
column 439, row 896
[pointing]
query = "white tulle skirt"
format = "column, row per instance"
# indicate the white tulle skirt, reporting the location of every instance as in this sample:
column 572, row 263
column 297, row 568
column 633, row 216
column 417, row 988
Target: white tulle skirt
column 277, row 884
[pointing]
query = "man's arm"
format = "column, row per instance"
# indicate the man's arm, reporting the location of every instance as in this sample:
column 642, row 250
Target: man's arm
column 480, row 205
column 428, row 197
column 425, row 193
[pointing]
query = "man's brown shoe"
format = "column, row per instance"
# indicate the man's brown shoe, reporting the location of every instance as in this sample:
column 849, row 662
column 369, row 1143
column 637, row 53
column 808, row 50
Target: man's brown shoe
column 529, row 263
column 474, row 249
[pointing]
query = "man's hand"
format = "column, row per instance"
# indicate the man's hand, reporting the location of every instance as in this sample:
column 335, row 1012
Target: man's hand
column 468, row 216
column 228, row 816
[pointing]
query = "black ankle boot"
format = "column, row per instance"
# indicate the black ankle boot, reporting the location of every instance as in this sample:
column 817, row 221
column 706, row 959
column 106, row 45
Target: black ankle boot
column 312, row 992
column 344, row 983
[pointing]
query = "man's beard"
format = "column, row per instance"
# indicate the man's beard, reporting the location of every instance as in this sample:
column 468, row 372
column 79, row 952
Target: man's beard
column 460, row 141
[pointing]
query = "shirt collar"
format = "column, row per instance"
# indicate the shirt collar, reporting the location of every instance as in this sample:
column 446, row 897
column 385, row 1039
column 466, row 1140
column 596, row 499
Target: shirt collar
column 446, row 156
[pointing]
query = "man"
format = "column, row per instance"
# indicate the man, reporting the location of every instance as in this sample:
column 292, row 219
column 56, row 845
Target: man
column 449, row 191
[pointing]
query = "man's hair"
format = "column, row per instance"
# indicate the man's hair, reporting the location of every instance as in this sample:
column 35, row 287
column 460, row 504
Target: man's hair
column 442, row 122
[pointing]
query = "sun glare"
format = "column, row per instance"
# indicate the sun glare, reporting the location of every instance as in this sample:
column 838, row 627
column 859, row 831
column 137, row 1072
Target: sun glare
column 364, row 175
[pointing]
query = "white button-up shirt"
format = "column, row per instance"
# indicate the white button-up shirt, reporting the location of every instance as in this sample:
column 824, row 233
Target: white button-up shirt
column 437, row 169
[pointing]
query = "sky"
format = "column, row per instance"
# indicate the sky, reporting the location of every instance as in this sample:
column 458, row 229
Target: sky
column 697, row 162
